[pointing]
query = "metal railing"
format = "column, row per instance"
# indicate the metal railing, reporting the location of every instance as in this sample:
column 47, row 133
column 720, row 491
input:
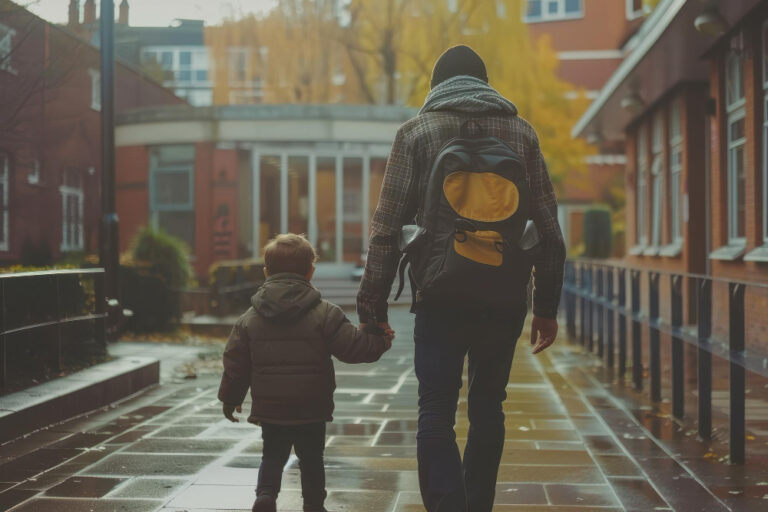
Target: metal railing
column 47, row 303
column 598, row 290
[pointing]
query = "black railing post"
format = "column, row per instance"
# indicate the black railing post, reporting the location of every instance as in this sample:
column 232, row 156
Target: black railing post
column 58, row 355
column 737, row 381
column 101, row 309
column 600, row 309
column 704, row 379
column 622, row 323
column 610, row 316
column 654, row 338
column 637, row 332
column 590, row 308
column 582, row 304
column 678, row 363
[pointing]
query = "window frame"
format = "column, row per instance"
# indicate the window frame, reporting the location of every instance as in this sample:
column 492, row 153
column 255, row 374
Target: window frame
column 179, row 167
column 632, row 13
column 68, row 191
column 675, row 191
column 546, row 16
column 735, row 101
column 6, row 49
column 5, row 179
column 641, row 188
column 657, row 178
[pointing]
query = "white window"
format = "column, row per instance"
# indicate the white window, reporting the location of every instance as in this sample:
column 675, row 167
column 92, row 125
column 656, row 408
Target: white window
column 6, row 48
column 551, row 10
column 734, row 92
column 72, row 212
column 180, row 65
column 4, row 211
column 675, row 174
column 634, row 9
column 501, row 9
column 95, row 89
column 453, row 5
column 657, row 173
column 642, row 188
column 172, row 191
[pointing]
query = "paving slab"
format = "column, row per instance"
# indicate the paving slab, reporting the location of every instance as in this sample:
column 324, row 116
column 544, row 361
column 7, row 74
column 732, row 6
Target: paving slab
column 570, row 447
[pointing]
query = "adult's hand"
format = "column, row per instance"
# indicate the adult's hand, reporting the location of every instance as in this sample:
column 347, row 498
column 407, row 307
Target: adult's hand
column 229, row 410
column 543, row 333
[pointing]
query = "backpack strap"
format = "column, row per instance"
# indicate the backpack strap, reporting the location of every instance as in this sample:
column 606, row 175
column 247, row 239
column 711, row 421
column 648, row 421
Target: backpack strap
column 401, row 273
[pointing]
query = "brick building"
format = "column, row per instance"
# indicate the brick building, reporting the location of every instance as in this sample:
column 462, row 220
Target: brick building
column 690, row 103
column 591, row 39
column 50, row 144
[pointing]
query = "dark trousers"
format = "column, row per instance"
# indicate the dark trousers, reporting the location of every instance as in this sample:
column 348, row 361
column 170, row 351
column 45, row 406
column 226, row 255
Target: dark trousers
column 443, row 339
column 309, row 443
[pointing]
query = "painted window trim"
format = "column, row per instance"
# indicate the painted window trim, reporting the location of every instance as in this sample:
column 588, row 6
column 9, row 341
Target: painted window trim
column 731, row 188
column 176, row 68
column 5, row 172
column 633, row 14
column 675, row 176
column 641, row 187
column 546, row 17
column 66, row 192
column 657, row 183
column 6, row 50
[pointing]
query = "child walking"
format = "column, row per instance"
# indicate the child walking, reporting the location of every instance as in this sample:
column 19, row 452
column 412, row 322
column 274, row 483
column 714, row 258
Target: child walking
column 281, row 349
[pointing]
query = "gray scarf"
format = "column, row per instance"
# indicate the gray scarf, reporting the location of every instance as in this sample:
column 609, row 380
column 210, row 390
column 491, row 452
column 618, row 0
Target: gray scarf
column 469, row 95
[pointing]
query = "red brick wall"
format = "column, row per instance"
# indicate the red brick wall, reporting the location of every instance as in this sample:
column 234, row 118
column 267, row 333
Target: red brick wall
column 132, row 191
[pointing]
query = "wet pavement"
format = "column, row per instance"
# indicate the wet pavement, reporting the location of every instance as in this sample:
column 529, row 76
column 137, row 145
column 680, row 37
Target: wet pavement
column 570, row 447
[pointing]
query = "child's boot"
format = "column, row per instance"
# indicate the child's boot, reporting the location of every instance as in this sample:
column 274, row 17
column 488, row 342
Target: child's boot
column 265, row 503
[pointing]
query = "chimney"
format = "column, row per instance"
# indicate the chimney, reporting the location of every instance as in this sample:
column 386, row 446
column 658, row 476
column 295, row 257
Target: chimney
column 89, row 16
column 73, row 19
column 124, row 8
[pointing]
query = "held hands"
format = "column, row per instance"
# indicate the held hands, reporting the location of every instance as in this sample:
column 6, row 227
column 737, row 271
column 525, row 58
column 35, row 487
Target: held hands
column 543, row 333
column 381, row 329
column 229, row 410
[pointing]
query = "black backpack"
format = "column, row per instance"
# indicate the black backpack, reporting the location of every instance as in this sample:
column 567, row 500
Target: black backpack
column 472, row 245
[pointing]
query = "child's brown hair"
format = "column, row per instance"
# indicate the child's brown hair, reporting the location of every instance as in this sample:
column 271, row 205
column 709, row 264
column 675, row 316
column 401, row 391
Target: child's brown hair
column 289, row 252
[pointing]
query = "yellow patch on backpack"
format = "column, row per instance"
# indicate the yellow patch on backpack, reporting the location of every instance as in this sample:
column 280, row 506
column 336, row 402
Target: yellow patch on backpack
column 479, row 246
column 481, row 196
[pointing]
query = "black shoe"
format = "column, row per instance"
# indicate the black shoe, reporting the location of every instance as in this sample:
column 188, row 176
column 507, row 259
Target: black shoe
column 265, row 503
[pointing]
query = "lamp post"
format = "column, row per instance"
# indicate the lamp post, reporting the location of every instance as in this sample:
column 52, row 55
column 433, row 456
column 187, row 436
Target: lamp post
column 109, row 251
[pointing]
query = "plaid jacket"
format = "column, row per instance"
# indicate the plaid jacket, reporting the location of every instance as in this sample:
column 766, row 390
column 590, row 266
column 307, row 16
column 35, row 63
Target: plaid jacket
column 415, row 147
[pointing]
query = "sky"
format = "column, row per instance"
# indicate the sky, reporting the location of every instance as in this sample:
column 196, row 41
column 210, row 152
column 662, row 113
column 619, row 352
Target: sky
column 159, row 13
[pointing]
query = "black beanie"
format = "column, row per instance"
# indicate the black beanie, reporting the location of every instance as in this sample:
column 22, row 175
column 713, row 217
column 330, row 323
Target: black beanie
column 456, row 61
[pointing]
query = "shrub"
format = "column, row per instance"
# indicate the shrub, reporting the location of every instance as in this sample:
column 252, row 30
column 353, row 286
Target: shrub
column 165, row 254
column 597, row 233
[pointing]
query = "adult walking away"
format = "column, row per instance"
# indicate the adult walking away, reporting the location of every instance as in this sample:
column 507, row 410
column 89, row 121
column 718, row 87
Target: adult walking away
column 463, row 179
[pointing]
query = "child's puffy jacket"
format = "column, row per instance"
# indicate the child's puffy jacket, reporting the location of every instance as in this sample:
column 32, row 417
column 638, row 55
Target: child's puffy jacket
column 281, row 348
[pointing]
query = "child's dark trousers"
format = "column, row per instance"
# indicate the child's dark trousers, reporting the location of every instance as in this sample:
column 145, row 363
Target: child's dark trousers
column 308, row 441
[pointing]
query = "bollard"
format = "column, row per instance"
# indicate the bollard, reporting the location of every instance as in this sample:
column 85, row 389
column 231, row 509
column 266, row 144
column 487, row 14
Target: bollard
column 654, row 336
column 705, row 358
column 582, row 304
column 600, row 309
column 736, row 337
column 678, row 363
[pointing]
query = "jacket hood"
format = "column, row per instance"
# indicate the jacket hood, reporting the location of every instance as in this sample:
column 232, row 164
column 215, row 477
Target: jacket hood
column 285, row 298
column 469, row 95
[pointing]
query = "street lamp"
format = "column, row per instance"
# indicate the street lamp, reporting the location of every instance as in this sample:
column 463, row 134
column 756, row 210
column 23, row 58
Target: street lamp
column 109, row 251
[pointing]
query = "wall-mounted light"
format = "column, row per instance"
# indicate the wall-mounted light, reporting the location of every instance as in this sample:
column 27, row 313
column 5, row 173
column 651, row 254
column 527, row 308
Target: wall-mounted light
column 633, row 102
column 710, row 22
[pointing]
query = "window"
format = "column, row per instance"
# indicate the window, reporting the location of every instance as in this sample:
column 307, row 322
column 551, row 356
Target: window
column 550, row 10
column 4, row 211
column 657, row 173
column 238, row 65
column 642, row 191
column 634, row 9
column 6, row 48
column 71, row 212
column 95, row 89
column 734, row 92
column 675, row 174
column 186, row 64
column 172, row 191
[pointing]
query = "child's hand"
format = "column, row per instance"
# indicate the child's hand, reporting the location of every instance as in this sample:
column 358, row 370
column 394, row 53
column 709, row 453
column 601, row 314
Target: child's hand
column 229, row 412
